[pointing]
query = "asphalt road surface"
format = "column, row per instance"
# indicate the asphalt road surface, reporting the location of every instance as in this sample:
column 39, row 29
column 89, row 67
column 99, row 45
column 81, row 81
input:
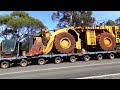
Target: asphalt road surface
column 104, row 69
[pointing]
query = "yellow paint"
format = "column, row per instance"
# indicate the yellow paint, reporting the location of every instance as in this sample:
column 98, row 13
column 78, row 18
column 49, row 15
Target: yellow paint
column 107, row 42
column 90, row 34
column 49, row 46
column 47, row 34
column 65, row 43
column 38, row 39
column 91, row 37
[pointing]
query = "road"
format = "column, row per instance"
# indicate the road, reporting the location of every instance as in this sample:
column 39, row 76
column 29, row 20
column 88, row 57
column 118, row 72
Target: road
column 104, row 69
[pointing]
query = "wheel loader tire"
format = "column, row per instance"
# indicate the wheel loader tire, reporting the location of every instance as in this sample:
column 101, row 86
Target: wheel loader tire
column 106, row 42
column 64, row 43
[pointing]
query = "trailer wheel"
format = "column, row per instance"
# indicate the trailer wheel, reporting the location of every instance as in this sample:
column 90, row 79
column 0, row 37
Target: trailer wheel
column 23, row 63
column 41, row 61
column 5, row 64
column 86, row 58
column 64, row 42
column 58, row 60
column 111, row 56
column 99, row 57
column 73, row 59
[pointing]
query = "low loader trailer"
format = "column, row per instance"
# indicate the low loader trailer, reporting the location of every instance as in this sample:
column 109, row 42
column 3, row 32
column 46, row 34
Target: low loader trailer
column 57, row 58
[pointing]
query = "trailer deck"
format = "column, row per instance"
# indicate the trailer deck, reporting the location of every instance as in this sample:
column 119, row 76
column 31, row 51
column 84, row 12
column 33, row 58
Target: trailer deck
column 57, row 58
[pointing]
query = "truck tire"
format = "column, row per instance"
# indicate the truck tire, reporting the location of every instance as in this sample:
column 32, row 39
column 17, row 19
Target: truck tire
column 41, row 61
column 106, row 41
column 86, row 58
column 73, row 59
column 111, row 56
column 23, row 63
column 58, row 60
column 5, row 64
column 99, row 57
column 64, row 43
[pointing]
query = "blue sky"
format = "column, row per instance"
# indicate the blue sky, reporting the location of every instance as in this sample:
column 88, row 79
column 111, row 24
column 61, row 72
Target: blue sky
column 45, row 16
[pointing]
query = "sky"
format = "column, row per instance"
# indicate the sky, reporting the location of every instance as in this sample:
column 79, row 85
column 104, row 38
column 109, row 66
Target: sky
column 45, row 16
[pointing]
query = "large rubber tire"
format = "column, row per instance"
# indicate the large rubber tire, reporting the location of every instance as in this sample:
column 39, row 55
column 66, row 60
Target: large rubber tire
column 102, row 44
column 58, row 46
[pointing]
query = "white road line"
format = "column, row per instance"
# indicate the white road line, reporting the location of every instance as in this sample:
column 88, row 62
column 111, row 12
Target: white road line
column 58, row 68
column 93, row 77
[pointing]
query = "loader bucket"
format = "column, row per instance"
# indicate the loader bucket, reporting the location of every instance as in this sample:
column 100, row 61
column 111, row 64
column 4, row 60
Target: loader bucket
column 37, row 47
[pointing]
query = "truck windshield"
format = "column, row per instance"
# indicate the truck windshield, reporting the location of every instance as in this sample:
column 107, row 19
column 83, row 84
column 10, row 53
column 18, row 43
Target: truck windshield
column 8, row 45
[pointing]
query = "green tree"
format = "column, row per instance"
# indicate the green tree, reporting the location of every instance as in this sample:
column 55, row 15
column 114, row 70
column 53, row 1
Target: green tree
column 110, row 23
column 19, row 24
column 73, row 18
column 117, row 21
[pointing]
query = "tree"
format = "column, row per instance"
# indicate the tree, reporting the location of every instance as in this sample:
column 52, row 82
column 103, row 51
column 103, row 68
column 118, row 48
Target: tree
column 19, row 25
column 5, row 32
column 73, row 18
column 117, row 21
column 110, row 23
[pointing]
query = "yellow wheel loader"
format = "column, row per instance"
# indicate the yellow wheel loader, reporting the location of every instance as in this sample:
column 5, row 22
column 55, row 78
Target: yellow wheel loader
column 73, row 39
column 61, row 41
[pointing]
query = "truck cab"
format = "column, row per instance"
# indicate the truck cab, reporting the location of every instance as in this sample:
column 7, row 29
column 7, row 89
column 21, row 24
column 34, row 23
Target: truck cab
column 9, row 48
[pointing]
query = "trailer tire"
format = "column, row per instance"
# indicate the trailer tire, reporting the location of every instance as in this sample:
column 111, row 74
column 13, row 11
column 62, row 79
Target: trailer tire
column 99, row 57
column 23, row 63
column 73, row 59
column 106, row 41
column 62, row 38
column 58, row 60
column 111, row 56
column 41, row 61
column 86, row 58
column 5, row 64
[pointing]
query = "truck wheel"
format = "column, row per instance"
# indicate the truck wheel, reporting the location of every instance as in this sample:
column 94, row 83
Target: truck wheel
column 73, row 59
column 64, row 42
column 23, row 63
column 111, row 56
column 58, row 60
column 41, row 61
column 99, row 57
column 106, row 41
column 86, row 57
column 5, row 64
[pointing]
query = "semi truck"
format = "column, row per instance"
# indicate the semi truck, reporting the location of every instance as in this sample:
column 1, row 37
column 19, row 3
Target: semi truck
column 70, row 44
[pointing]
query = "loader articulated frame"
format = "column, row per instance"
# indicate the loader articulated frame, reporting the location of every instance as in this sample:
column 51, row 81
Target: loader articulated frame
column 94, row 37
column 45, row 49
